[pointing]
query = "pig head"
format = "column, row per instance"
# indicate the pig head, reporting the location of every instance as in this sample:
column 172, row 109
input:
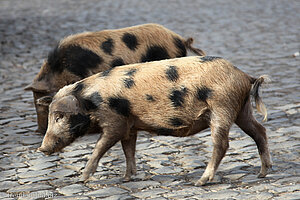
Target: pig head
column 66, row 123
column 47, row 83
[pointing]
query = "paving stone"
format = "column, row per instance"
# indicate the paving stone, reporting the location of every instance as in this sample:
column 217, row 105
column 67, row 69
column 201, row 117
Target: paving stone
column 289, row 188
column 155, row 164
column 153, row 193
column 75, row 197
column 159, row 150
column 4, row 178
column 106, row 192
column 288, row 106
column 43, row 160
column 5, row 185
column 291, row 129
column 22, row 170
column 184, row 193
column 8, row 173
column 96, row 184
column 288, row 144
column 264, row 195
column 4, row 195
column 119, row 197
column 72, row 189
column 73, row 160
column 76, row 166
column 41, row 166
column 43, row 194
column 289, row 196
column 62, row 182
column 192, row 162
column 164, row 178
column 232, row 166
column 227, row 194
column 234, row 177
column 167, row 170
column 134, row 186
column 61, row 173
column 31, row 174
column 31, row 140
column 29, row 188
column 35, row 179
column 239, row 144
column 75, row 153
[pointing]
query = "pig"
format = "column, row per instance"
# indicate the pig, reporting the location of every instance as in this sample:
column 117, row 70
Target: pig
column 81, row 55
column 176, row 97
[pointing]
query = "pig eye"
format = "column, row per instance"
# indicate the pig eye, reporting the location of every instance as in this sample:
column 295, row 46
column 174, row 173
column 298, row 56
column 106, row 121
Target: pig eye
column 58, row 117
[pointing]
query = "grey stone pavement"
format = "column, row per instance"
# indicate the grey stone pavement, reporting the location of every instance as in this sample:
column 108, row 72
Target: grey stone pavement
column 260, row 37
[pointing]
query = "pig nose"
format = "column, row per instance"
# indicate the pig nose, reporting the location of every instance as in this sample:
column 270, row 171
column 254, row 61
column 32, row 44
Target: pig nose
column 42, row 150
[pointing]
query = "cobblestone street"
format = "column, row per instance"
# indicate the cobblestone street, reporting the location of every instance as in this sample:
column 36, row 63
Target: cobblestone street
column 259, row 37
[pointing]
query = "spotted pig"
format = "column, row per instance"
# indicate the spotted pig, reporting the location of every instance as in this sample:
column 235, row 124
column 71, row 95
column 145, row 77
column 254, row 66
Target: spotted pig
column 81, row 55
column 176, row 97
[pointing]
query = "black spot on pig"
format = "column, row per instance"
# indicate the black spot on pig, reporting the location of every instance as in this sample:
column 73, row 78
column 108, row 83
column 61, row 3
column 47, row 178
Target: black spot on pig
column 163, row 131
column 203, row 93
column 117, row 62
column 209, row 58
column 176, row 122
column 129, row 82
column 120, row 105
column 155, row 53
column 107, row 46
column 177, row 96
column 78, row 88
column 172, row 73
column 96, row 98
column 79, row 125
column 53, row 60
column 130, row 72
column 106, row 72
column 180, row 46
column 150, row 97
column 92, row 102
column 75, row 59
column 130, row 40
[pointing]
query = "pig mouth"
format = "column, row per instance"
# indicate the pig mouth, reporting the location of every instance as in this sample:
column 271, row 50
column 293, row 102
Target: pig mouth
column 49, row 151
column 46, row 151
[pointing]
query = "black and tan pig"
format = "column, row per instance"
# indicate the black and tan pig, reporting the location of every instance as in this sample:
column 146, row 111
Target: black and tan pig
column 176, row 97
column 81, row 55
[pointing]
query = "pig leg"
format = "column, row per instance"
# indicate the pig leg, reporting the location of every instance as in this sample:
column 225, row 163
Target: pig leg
column 257, row 132
column 108, row 139
column 128, row 145
column 219, row 131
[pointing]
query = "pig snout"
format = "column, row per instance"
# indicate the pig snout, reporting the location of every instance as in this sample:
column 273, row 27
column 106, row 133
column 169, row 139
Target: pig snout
column 48, row 145
column 44, row 150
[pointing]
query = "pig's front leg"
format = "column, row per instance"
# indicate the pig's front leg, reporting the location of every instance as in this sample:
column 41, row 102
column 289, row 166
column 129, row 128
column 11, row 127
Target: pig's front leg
column 108, row 139
column 128, row 145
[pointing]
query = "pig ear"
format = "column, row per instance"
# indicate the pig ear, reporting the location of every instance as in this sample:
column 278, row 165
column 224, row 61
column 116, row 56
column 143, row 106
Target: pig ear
column 44, row 101
column 38, row 86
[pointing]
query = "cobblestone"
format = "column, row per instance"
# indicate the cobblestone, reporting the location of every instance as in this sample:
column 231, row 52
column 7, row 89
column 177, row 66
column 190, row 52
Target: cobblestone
column 259, row 37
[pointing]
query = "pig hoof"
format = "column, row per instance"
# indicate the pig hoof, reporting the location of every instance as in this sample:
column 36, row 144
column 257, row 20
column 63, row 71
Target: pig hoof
column 200, row 183
column 84, row 178
column 126, row 179
column 261, row 175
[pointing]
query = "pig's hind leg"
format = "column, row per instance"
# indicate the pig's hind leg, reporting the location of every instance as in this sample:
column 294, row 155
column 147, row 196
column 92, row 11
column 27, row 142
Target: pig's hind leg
column 219, row 130
column 257, row 132
column 110, row 136
column 129, row 146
